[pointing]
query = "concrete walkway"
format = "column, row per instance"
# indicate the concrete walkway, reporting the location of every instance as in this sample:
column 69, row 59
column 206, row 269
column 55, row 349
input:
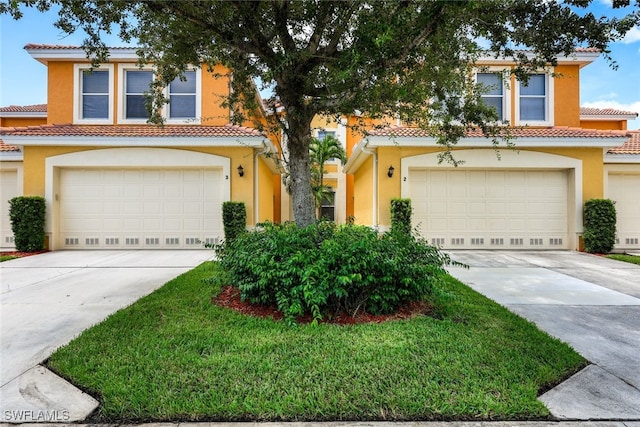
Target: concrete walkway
column 46, row 300
column 590, row 302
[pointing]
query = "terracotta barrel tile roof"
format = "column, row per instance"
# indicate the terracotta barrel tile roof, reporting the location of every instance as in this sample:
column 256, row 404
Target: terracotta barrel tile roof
column 138, row 131
column 589, row 111
column 37, row 46
column 632, row 146
column 5, row 148
column 526, row 132
column 35, row 108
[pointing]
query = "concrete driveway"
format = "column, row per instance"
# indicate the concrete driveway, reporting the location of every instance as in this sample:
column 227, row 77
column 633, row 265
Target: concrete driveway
column 590, row 302
column 48, row 299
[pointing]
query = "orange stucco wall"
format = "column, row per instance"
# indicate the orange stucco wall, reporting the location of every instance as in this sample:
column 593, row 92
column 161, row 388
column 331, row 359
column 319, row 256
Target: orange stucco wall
column 567, row 96
column 60, row 93
column 22, row 121
column 604, row 124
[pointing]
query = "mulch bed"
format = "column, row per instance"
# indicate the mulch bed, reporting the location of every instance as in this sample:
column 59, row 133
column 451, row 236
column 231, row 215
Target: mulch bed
column 21, row 254
column 229, row 297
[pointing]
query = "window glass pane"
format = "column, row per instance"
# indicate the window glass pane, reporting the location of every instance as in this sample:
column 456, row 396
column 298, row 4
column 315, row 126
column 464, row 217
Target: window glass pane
column 536, row 85
column 95, row 82
column 496, row 103
column 492, row 82
column 323, row 134
column 136, row 108
column 95, row 107
column 182, row 106
column 138, row 81
column 188, row 86
column 532, row 109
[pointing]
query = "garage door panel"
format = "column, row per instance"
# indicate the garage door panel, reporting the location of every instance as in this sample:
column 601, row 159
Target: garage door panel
column 144, row 208
column 624, row 190
column 491, row 209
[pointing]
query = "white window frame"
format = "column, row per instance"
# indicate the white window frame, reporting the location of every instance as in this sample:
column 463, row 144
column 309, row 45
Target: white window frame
column 198, row 101
column 123, row 68
column 549, row 102
column 78, row 70
column 506, row 89
column 122, row 84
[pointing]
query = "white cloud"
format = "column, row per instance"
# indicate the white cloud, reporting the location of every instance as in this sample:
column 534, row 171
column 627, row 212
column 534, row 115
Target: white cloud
column 607, row 2
column 632, row 107
column 632, row 36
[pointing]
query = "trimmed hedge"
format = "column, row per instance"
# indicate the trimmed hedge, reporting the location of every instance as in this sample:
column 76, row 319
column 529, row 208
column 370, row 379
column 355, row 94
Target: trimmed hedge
column 324, row 269
column 401, row 215
column 234, row 218
column 599, row 225
column 27, row 215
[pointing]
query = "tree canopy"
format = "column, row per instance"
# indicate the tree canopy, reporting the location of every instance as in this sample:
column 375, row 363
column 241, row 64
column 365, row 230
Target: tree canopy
column 383, row 58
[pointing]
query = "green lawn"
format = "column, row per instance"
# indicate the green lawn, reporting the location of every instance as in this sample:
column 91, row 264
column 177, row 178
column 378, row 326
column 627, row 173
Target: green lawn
column 7, row 257
column 626, row 258
column 175, row 356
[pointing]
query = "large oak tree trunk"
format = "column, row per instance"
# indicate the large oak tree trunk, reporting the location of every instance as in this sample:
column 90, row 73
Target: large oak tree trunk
column 298, row 142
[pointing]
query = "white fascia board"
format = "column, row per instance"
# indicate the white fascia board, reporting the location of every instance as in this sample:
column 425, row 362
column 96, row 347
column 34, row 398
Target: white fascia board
column 24, row 114
column 622, row 158
column 610, row 117
column 385, row 141
column 357, row 157
column 271, row 157
column 75, row 54
column 147, row 141
column 582, row 58
column 11, row 156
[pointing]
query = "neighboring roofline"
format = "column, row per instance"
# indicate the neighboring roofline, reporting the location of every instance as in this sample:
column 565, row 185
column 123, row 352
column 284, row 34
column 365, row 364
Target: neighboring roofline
column 610, row 158
column 608, row 117
column 24, row 114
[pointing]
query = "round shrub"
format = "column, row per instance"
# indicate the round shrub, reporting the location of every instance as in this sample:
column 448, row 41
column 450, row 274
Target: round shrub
column 326, row 269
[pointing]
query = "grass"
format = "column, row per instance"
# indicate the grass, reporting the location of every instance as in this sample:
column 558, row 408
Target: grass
column 175, row 356
column 626, row 258
column 7, row 257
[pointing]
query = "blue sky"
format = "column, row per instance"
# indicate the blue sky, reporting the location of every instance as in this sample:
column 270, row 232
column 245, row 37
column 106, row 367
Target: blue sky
column 23, row 79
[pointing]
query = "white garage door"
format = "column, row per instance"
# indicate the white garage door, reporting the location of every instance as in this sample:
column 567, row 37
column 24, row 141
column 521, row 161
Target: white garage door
column 625, row 191
column 140, row 208
column 8, row 190
column 458, row 209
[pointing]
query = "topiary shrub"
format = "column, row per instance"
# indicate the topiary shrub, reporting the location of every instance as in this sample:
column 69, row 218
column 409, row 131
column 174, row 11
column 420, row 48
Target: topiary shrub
column 599, row 225
column 401, row 215
column 27, row 216
column 234, row 218
column 326, row 269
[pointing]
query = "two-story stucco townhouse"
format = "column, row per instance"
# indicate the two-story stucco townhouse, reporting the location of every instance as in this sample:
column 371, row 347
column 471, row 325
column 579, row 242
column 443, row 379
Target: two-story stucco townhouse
column 111, row 180
column 528, row 198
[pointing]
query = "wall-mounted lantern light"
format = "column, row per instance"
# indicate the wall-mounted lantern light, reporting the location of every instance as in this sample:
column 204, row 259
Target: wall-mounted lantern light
column 390, row 171
column 240, row 171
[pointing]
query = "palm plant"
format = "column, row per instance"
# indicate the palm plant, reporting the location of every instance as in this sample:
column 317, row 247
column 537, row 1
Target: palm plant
column 320, row 151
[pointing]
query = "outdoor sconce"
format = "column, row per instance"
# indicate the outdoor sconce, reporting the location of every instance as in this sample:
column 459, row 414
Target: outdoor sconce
column 390, row 171
column 240, row 171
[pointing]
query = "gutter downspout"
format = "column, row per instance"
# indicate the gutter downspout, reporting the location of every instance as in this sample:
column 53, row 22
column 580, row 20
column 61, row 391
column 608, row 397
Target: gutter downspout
column 366, row 150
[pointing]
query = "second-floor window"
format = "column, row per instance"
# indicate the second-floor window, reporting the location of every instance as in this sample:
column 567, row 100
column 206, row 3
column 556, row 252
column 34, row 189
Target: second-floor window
column 136, row 86
column 535, row 100
column 494, row 95
column 183, row 94
column 93, row 94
